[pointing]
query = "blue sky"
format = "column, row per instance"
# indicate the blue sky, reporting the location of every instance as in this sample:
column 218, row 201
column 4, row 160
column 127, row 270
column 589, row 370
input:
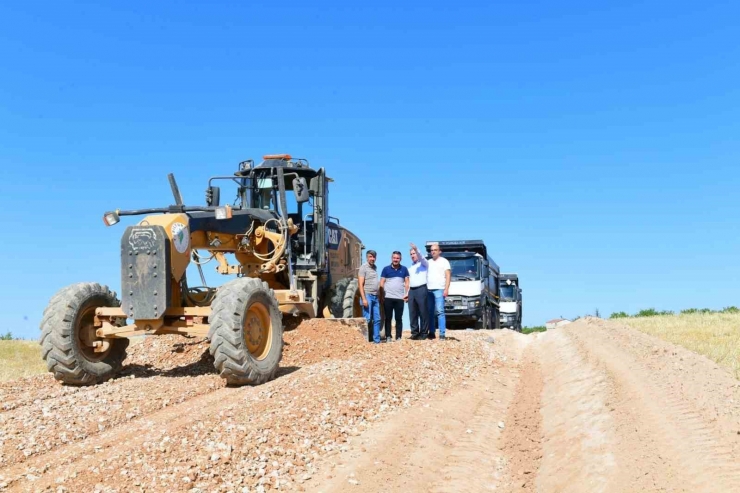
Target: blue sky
column 594, row 148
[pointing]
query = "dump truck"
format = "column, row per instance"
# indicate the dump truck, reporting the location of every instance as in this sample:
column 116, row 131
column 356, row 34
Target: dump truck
column 287, row 257
column 473, row 294
column 511, row 302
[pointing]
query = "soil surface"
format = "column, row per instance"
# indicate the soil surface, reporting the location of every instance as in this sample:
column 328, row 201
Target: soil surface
column 591, row 407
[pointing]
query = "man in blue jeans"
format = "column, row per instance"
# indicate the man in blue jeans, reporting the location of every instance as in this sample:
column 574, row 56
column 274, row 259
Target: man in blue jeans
column 438, row 284
column 368, row 283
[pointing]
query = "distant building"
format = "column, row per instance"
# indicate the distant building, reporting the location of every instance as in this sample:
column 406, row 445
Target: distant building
column 556, row 322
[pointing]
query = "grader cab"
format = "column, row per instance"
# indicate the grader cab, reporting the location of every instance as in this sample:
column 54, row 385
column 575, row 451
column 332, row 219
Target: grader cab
column 290, row 260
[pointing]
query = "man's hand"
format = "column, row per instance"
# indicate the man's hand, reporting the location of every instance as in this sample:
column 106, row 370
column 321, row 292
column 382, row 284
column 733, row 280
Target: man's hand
column 364, row 302
column 406, row 298
column 445, row 293
column 413, row 247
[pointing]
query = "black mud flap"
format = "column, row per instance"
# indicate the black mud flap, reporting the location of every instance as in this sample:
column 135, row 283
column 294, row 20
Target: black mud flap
column 146, row 291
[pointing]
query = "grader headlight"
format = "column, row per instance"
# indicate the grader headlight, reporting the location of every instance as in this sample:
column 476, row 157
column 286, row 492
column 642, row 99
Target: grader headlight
column 111, row 218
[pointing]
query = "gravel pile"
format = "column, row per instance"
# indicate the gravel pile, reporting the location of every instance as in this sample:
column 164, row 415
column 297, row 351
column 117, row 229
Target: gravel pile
column 332, row 386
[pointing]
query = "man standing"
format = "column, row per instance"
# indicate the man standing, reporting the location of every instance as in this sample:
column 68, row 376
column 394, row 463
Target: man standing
column 438, row 283
column 394, row 282
column 367, row 278
column 418, row 295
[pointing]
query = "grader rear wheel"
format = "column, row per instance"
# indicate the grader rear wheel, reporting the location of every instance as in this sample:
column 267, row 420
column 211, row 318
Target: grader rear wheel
column 246, row 332
column 345, row 301
column 68, row 339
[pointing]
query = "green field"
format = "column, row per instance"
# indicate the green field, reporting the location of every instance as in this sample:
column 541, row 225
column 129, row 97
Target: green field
column 20, row 359
column 714, row 335
column 529, row 330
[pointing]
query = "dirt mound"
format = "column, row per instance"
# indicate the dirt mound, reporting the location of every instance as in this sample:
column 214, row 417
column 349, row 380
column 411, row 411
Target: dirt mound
column 169, row 353
column 320, row 339
column 311, row 342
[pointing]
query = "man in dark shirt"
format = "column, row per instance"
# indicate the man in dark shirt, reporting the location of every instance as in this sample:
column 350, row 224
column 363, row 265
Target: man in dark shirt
column 394, row 284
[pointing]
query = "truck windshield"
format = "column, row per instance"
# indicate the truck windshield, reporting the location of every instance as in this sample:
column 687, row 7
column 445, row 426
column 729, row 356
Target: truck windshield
column 507, row 292
column 464, row 268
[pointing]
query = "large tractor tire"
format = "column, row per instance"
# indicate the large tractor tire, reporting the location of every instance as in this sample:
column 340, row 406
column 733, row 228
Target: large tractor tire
column 67, row 334
column 246, row 332
column 345, row 301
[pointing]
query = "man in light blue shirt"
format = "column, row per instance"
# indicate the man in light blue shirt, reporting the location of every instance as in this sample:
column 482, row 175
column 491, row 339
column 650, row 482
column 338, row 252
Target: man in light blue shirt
column 417, row 297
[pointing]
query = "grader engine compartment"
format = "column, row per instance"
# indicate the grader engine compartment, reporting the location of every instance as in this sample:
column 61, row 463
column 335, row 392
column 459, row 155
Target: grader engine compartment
column 288, row 258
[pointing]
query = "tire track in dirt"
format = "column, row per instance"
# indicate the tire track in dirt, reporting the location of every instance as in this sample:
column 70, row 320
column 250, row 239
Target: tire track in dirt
column 471, row 464
column 448, row 444
column 521, row 442
column 578, row 435
column 680, row 447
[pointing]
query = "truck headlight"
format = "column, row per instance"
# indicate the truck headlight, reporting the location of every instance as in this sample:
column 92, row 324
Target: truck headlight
column 473, row 304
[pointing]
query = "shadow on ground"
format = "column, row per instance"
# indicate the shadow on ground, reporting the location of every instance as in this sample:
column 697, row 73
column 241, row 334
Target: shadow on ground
column 204, row 366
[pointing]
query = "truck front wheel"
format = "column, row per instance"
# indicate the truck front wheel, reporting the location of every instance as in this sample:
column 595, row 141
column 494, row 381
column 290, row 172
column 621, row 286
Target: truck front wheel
column 484, row 322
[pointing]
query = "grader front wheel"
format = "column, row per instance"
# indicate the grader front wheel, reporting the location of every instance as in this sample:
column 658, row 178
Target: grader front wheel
column 68, row 341
column 246, row 332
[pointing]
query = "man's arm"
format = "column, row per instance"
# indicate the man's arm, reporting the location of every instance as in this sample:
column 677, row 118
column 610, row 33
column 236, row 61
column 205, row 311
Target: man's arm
column 406, row 282
column 420, row 256
column 381, row 290
column 448, row 275
column 361, row 285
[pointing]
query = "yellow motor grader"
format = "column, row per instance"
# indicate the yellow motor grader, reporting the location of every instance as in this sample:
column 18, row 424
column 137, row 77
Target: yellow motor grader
column 291, row 260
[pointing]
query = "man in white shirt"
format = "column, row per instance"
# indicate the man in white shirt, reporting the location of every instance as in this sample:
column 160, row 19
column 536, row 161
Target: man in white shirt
column 438, row 284
column 418, row 294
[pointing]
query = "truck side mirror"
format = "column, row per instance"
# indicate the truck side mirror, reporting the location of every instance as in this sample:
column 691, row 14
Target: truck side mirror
column 213, row 196
column 300, row 189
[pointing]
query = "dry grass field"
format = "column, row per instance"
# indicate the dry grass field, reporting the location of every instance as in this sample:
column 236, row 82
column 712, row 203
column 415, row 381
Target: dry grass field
column 20, row 359
column 714, row 335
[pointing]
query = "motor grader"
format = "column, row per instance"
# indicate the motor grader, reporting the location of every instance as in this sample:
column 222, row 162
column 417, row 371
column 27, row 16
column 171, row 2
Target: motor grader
column 288, row 257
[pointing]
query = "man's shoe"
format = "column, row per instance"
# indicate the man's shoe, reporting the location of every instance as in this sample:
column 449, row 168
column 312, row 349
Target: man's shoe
column 442, row 338
column 415, row 337
column 388, row 339
column 431, row 336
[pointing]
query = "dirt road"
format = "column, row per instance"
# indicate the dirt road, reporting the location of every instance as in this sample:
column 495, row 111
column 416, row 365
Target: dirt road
column 588, row 408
